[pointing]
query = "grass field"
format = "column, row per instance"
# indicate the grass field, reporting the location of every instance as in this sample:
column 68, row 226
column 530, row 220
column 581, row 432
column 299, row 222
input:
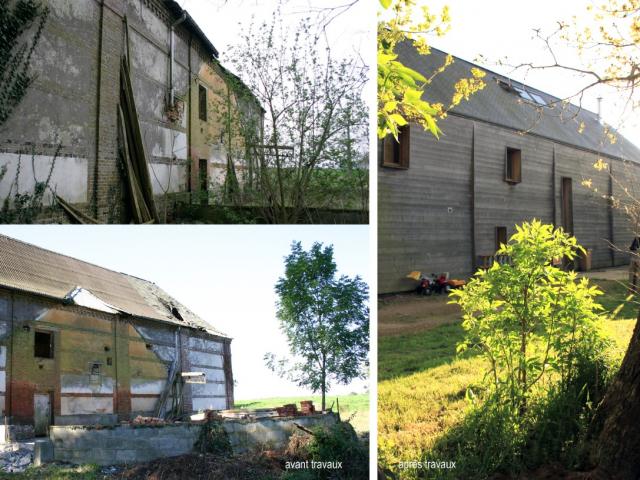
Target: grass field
column 56, row 472
column 422, row 383
column 355, row 405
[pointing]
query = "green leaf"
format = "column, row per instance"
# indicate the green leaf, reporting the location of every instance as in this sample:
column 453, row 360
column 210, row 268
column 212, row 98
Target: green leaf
column 398, row 119
column 385, row 3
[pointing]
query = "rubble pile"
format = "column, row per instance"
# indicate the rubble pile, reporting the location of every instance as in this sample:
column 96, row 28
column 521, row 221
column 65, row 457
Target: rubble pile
column 16, row 457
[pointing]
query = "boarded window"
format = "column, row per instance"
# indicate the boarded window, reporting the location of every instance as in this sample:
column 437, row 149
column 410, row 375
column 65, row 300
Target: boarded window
column 396, row 153
column 202, row 103
column 513, row 166
column 501, row 237
column 43, row 345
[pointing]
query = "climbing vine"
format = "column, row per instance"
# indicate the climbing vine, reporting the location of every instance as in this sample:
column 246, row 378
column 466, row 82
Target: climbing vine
column 16, row 50
column 24, row 207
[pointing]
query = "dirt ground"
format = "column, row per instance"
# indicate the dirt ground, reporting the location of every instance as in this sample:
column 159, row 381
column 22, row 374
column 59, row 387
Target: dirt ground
column 618, row 273
column 208, row 467
column 410, row 313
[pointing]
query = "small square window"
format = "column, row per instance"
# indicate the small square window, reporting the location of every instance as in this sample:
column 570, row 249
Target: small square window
column 513, row 166
column 396, row 153
column 43, row 344
column 202, row 103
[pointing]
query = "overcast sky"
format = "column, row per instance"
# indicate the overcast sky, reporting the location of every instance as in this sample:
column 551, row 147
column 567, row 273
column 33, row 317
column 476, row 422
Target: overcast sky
column 350, row 33
column 225, row 274
column 498, row 29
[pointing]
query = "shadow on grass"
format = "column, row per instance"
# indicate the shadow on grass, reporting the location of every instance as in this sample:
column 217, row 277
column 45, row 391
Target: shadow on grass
column 403, row 355
column 492, row 441
column 616, row 294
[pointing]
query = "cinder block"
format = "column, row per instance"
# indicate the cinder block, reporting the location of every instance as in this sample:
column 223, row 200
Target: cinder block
column 42, row 451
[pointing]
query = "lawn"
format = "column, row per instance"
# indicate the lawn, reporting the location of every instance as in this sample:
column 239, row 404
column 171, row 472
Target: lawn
column 354, row 406
column 423, row 384
column 56, row 472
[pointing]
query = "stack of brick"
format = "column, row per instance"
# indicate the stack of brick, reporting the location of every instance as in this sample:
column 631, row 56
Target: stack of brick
column 288, row 410
column 307, row 408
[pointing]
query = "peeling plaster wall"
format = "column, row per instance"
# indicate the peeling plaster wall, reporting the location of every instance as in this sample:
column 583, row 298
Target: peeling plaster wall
column 104, row 368
column 68, row 175
column 73, row 102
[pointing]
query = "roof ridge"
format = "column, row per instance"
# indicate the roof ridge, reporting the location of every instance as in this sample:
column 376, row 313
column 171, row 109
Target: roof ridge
column 17, row 240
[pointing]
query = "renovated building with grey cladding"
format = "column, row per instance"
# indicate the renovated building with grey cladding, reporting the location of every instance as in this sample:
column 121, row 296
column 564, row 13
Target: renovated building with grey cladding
column 445, row 205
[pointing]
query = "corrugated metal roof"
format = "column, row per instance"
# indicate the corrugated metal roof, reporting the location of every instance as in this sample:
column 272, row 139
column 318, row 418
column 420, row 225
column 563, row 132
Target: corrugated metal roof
column 500, row 106
column 32, row 269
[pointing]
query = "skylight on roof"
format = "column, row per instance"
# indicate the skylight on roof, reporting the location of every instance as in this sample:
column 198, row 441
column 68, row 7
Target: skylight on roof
column 529, row 96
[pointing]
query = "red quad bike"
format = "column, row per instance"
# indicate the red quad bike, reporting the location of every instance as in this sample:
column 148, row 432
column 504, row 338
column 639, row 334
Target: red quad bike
column 434, row 284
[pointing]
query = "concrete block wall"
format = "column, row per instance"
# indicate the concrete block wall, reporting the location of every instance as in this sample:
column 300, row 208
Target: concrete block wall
column 128, row 443
column 273, row 432
column 122, row 443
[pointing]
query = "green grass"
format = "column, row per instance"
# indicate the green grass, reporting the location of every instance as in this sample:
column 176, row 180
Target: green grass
column 422, row 383
column 56, row 472
column 354, row 404
column 616, row 297
column 402, row 355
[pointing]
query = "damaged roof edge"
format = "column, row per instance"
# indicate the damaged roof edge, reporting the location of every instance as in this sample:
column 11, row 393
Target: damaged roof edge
column 178, row 11
column 65, row 301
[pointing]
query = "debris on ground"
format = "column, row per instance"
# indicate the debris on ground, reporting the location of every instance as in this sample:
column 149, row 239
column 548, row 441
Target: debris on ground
column 208, row 466
column 140, row 420
column 16, row 457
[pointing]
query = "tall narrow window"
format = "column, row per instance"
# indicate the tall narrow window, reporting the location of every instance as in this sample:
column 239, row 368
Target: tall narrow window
column 513, row 166
column 202, row 99
column 43, row 344
column 396, row 153
column 501, row 237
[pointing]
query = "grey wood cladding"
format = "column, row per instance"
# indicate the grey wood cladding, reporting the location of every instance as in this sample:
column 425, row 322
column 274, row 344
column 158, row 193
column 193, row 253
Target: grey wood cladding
column 442, row 212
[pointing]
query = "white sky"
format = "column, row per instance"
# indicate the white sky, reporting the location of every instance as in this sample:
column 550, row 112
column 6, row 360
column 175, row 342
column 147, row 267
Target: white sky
column 351, row 33
column 225, row 274
column 497, row 29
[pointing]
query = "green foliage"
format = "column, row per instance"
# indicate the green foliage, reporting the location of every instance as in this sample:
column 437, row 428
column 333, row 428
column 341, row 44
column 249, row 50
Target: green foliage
column 56, row 472
column 324, row 318
column 339, row 443
column 400, row 88
column 425, row 401
column 531, row 320
column 24, row 207
column 213, row 438
column 554, row 429
column 16, row 19
column 315, row 117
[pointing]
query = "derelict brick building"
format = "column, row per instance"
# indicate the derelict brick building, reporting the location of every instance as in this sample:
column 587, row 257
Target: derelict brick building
column 80, row 344
column 445, row 205
column 72, row 107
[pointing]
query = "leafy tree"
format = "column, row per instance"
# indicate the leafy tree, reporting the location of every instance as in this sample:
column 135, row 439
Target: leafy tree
column 325, row 320
column 400, row 88
column 606, row 57
column 307, row 95
column 529, row 317
column 17, row 18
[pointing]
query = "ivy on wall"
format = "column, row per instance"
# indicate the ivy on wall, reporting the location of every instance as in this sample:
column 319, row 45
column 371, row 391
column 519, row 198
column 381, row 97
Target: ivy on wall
column 17, row 18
